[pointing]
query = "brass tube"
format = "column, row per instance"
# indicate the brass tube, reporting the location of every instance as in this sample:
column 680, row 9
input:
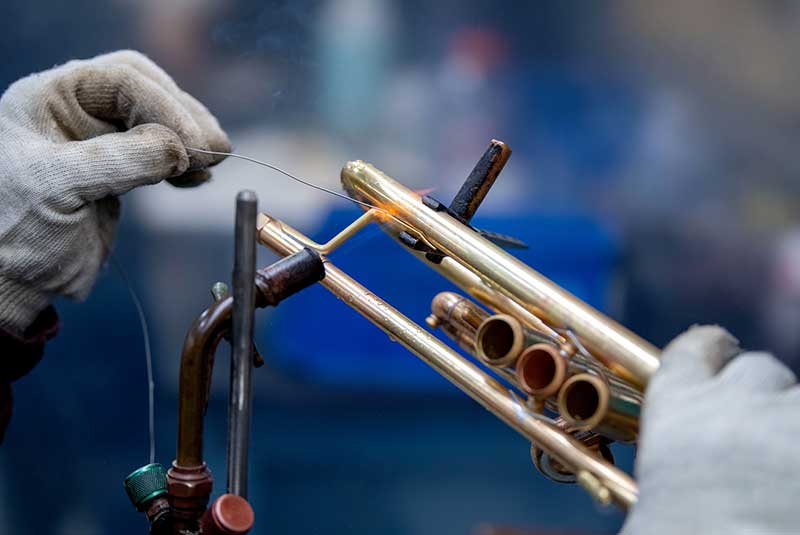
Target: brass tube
column 501, row 338
column 541, row 370
column 553, row 470
column 458, row 317
column 500, row 303
column 587, row 402
column 622, row 351
column 450, row 307
column 464, row 339
column 465, row 375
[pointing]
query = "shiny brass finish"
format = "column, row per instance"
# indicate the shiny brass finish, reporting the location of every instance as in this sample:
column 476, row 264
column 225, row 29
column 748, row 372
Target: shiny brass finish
column 450, row 307
column 626, row 354
column 555, row 471
column 586, row 401
column 572, row 454
column 499, row 302
column 594, row 487
column 458, row 317
column 541, row 370
column 499, row 340
column 326, row 248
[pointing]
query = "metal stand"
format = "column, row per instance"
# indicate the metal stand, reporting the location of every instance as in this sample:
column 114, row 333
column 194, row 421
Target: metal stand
column 241, row 386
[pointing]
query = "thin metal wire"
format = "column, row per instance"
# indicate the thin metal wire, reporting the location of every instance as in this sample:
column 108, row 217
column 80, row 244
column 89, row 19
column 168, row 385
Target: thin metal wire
column 288, row 174
column 151, row 385
column 320, row 188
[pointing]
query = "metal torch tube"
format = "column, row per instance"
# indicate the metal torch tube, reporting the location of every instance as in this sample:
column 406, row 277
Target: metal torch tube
column 465, row 375
column 623, row 351
column 241, row 387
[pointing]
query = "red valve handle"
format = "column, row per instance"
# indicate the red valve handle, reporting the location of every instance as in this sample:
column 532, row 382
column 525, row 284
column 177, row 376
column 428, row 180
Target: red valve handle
column 228, row 515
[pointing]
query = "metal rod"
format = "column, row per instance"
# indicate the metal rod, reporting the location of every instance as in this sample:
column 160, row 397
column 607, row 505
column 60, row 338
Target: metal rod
column 462, row 373
column 241, row 387
column 189, row 482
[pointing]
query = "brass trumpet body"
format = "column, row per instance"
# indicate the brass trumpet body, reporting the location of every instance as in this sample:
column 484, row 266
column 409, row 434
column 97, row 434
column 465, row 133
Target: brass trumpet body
column 625, row 353
column 612, row 484
column 579, row 339
column 542, row 370
column 458, row 317
column 586, row 401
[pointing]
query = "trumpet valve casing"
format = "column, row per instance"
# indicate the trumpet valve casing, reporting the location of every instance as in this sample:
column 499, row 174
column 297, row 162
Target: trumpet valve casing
column 586, row 401
column 541, row 370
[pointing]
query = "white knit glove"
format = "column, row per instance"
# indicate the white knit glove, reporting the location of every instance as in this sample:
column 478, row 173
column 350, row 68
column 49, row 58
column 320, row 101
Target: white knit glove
column 72, row 139
column 720, row 444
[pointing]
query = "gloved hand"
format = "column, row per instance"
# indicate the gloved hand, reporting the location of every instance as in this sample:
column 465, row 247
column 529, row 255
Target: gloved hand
column 720, row 443
column 72, row 139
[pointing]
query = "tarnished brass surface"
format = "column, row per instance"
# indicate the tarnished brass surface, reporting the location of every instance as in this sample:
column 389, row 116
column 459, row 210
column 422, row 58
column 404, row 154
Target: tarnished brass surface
column 197, row 362
column 625, row 353
column 496, row 398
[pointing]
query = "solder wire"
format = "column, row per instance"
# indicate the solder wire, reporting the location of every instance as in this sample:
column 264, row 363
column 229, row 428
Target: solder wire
column 151, row 385
column 319, row 188
column 288, row 174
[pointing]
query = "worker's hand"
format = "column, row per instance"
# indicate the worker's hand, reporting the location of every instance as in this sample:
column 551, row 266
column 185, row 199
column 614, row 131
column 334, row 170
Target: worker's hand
column 720, row 443
column 72, row 140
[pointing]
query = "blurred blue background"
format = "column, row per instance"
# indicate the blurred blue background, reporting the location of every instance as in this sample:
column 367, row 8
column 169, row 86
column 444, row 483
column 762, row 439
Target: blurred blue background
column 654, row 174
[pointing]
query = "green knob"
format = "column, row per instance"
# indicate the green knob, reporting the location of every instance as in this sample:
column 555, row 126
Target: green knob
column 146, row 483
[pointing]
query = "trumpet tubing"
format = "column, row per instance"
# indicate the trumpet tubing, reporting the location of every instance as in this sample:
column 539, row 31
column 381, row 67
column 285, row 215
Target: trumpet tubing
column 492, row 395
column 541, row 370
column 586, row 401
column 625, row 353
column 458, row 317
column 533, row 337
column 451, row 308
column 554, row 470
column 499, row 340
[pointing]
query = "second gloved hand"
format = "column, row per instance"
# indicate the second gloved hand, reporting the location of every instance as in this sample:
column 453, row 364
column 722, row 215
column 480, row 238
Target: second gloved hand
column 718, row 452
column 73, row 139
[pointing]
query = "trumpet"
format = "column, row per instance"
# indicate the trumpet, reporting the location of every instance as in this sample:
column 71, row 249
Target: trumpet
column 554, row 369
